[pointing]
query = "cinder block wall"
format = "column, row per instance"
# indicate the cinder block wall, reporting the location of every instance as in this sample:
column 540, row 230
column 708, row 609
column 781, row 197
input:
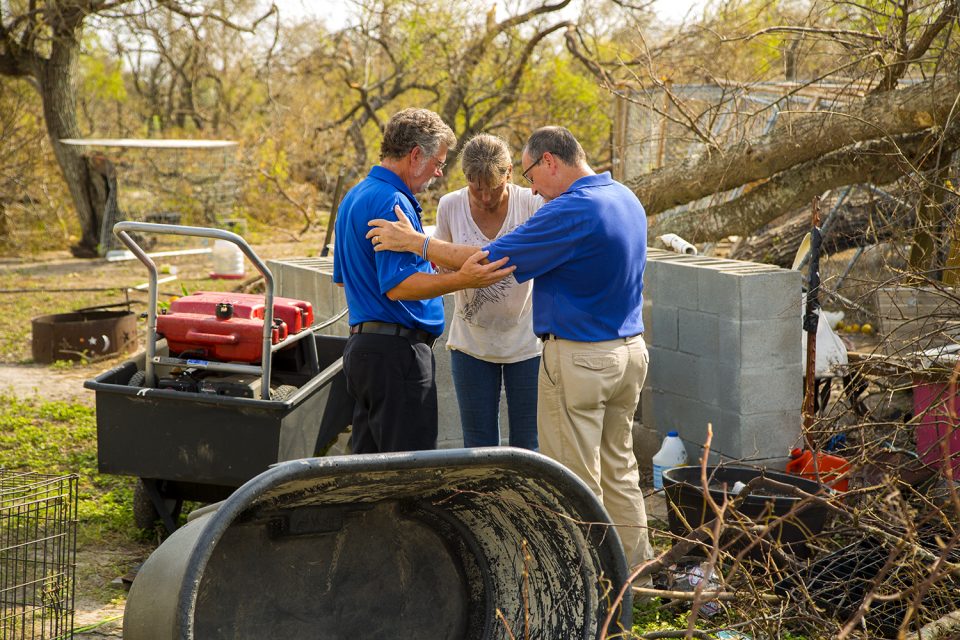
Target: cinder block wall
column 725, row 348
column 311, row 279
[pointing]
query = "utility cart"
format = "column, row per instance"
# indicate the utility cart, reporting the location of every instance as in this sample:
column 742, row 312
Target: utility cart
column 201, row 441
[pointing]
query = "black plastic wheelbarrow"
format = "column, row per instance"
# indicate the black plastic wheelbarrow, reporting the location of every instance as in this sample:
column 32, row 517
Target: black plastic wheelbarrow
column 460, row 544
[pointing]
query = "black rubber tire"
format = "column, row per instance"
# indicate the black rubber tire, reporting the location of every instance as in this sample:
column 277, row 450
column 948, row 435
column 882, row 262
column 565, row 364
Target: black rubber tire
column 137, row 379
column 145, row 514
column 282, row 392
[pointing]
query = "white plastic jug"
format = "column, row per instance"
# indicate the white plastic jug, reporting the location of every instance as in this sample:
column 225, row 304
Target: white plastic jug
column 227, row 260
column 671, row 454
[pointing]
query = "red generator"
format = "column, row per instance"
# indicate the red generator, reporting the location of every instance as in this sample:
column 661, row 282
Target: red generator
column 228, row 326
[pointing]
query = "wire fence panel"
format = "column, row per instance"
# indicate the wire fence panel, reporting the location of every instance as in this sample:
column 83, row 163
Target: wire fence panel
column 38, row 544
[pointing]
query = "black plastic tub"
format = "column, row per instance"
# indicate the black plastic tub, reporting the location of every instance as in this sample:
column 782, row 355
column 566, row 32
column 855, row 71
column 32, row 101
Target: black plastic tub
column 686, row 502
column 462, row 544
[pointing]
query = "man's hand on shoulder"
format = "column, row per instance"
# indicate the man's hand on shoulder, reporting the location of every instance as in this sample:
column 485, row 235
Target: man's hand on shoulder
column 477, row 275
column 399, row 235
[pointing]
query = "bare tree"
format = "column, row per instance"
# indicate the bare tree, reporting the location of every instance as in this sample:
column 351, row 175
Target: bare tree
column 40, row 43
column 469, row 67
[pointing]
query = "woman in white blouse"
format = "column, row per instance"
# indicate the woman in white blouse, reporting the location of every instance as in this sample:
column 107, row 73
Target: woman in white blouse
column 491, row 336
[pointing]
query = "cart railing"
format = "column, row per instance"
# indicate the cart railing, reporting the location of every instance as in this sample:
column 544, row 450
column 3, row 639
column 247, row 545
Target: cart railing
column 123, row 230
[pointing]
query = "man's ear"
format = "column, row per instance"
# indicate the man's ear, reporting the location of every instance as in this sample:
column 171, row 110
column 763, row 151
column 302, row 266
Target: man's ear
column 416, row 154
column 549, row 161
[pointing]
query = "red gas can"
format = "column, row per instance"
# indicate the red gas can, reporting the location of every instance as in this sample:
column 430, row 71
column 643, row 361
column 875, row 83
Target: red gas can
column 210, row 337
column 833, row 469
column 297, row 314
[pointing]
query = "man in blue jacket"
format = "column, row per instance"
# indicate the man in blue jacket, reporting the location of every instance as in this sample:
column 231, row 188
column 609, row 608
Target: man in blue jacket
column 585, row 250
column 395, row 312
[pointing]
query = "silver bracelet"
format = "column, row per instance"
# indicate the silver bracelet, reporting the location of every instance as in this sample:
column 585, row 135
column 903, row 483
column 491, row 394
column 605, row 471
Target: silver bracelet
column 426, row 241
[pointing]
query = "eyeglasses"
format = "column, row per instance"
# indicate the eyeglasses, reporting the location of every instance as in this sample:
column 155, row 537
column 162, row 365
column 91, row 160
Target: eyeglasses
column 441, row 164
column 526, row 171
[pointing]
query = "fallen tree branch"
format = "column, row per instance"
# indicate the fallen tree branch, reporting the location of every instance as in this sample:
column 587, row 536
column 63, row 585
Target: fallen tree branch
column 706, row 595
column 877, row 162
column 799, row 139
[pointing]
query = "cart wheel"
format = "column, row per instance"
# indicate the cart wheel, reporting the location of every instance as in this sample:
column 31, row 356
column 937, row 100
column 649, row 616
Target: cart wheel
column 137, row 379
column 282, row 392
column 145, row 514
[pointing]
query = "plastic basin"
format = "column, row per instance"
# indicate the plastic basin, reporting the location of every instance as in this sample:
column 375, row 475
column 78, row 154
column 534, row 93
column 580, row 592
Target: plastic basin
column 408, row 545
column 685, row 497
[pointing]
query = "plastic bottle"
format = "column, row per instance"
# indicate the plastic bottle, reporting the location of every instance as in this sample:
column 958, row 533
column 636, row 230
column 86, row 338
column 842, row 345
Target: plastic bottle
column 671, row 454
column 227, row 260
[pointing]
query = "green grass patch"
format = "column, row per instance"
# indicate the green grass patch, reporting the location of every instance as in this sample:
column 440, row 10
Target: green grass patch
column 61, row 438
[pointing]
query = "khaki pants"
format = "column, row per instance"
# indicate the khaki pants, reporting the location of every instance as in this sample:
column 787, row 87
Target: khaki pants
column 588, row 394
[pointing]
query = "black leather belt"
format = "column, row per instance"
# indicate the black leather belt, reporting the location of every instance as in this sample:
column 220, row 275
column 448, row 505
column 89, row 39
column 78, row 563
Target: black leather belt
column 391, row 329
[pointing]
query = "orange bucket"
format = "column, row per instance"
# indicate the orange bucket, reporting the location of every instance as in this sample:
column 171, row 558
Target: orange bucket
column 831, row 468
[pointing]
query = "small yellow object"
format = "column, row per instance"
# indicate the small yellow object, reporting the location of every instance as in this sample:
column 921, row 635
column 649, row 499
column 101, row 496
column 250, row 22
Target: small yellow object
column 866, row 329
column 840, row 326
column 853, row 328
column 173, row 298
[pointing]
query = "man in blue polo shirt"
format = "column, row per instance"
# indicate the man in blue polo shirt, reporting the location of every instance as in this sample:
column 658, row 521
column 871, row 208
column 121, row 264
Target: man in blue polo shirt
column 585, row 250
column 395, row 312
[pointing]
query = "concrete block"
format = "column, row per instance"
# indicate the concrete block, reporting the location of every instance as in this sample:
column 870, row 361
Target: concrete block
column 770, row 294
column 691, row 422
column 725, row 444
column 729, row 341
column 678, row 280
column 771, row 390
column 646, row 314
column 729, row 386
column 676, row 373
column 768, row 435
column 657, row 372
column 770, row 343
column 664, row 327
column 719, row 293
column 709, row 381
column 645, row 413
column 697, row 333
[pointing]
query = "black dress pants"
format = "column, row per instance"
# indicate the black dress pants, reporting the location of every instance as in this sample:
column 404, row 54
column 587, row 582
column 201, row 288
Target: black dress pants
column 391, row 379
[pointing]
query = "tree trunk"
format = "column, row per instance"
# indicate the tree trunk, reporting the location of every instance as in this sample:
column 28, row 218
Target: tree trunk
column 852, row 226
column 798, row 139
column 877, row 162
column 60, row 115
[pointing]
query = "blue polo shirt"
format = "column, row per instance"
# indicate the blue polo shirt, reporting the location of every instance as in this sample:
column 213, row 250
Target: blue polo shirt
column 586, row 251
column 367, row 275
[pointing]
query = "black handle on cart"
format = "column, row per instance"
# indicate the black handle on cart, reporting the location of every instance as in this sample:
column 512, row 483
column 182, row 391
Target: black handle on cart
column 122, row 229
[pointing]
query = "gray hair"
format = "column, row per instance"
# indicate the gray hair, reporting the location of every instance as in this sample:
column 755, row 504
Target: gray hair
column 486, row 159
column 558, row 141
column 415, row 128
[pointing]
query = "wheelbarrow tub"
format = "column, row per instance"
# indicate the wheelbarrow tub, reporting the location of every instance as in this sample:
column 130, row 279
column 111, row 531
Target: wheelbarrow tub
column 428, row 544
column 204, row 446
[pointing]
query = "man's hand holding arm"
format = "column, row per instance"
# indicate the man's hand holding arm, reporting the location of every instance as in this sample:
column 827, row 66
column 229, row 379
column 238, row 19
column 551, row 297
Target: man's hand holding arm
column 472, row 274
column 400, row 235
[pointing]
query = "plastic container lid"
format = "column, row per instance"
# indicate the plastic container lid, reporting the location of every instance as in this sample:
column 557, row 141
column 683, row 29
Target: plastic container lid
column 673, row 434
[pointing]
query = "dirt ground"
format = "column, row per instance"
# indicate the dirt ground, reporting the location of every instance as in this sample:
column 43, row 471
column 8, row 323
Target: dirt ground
column 51, row 280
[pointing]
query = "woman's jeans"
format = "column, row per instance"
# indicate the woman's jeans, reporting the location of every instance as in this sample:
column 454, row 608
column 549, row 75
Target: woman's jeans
column 478, row 394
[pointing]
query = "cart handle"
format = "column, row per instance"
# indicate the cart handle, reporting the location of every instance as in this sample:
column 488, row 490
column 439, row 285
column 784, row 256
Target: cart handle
column 122, row 230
